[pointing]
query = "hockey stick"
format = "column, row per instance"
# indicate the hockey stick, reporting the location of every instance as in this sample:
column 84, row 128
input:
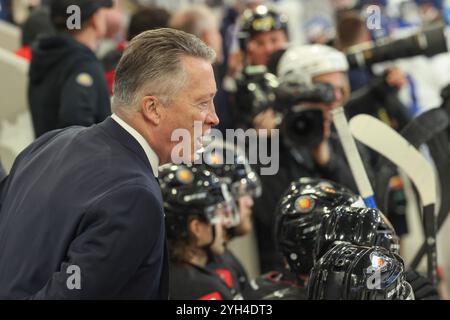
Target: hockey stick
column 386, row 141
column 353, row 157
column 431, row 128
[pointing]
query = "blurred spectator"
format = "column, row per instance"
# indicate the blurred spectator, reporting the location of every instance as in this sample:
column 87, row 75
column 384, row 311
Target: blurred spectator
column 38, row 24
column 199, row 21
column 229, row 30
column 351, row 30
column 263, row 31
column 66, row 81
column 148, row 18
column 115, row 20
column 319, row 31
column 430, row 10
column 5, row 10
column 145, row 18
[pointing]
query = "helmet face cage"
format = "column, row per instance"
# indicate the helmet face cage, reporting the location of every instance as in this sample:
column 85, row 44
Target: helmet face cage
column 192, row 191
column 238, row 174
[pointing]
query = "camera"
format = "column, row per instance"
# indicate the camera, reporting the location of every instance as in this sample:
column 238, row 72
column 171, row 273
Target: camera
column 427, row 42
column 301, row 126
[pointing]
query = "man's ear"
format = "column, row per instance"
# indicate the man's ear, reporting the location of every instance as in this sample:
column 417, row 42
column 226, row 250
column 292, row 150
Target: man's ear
column 151, row 109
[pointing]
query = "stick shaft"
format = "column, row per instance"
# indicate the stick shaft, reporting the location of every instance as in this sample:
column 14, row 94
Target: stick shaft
column 353, row 157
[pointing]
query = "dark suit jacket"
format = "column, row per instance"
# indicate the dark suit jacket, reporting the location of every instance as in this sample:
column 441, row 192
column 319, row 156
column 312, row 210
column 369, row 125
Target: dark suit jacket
column 83, row 197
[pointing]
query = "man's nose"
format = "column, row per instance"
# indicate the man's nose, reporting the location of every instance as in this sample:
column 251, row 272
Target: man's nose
column 212, row 119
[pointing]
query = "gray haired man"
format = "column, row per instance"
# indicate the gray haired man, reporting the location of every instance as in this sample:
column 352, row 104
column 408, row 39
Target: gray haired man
column 81, row 211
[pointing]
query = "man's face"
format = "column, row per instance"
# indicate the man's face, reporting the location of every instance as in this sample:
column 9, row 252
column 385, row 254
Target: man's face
column 339, row 81
column 264, row 44
column 193, row 103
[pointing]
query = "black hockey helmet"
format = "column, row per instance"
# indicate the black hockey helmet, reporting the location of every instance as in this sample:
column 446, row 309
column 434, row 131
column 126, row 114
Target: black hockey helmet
column 358, row 226
column 258, row 20
column 350, row 272
column 299, row 216
column 192, row 191
column 230, row 165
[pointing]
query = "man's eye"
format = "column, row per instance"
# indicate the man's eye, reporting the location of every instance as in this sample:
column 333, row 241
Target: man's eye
column 204, row 105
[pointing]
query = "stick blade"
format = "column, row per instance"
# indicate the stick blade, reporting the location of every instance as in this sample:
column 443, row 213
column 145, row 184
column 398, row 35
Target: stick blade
column 389, row 143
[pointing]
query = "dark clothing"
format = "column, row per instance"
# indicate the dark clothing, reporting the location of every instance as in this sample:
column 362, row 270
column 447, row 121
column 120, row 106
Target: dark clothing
column 5, row 10
column 381, row 101
column 238, row 279
column 222, row 104
column 2, row 172
column 278, row 286
column 83, row 197
column 359, row 78
column 293, row 165
column 66, row 85
column 110, row 62
column 422, row 287
column 191, row 282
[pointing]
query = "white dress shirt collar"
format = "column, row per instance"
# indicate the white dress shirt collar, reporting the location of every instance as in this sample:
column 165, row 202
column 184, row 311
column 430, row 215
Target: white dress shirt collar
column 151, row 155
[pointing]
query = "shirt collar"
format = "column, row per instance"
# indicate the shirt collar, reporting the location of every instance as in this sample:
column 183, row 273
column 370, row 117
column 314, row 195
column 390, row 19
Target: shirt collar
column 151, row 155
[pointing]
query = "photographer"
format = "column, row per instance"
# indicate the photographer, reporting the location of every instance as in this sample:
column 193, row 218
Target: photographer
column 313, row 152
column 262, row 32
column 308, row 62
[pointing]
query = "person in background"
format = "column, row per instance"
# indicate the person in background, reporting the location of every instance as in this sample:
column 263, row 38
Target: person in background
column 5, row 10
column 200, row 21
column 37, row 25
column 66, row 84
column 145, row 18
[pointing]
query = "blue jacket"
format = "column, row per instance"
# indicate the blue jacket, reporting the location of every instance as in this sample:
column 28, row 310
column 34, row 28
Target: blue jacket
column 81, row 217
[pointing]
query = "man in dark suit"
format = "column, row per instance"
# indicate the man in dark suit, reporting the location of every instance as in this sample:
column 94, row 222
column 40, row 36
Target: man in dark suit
column 81, row 213
column 2, row 172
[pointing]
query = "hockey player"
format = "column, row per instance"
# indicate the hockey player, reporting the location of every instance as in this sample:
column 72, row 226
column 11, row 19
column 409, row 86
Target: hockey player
column 244, row 185
column 198, row 206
